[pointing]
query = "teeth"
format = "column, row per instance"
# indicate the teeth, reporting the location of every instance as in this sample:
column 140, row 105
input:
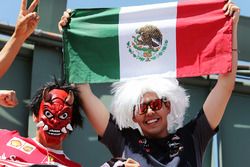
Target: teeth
column 69, row 127
column 54, row 134
column 64, row 130
column 151, row 121
column 45, row 128
column 54, row 131
column 40, row 124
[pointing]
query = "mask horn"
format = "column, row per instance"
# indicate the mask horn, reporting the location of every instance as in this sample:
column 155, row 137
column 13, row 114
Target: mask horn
column 46, row 95
column 70, row 99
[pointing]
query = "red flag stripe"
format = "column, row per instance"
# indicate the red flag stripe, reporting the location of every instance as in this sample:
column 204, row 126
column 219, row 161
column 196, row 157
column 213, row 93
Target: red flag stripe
column 203, row 38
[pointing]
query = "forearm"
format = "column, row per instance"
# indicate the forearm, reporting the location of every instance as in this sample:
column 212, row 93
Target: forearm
column 26, row 23
column 9, row 52
column 216, row 102
column 227, row 80
column 94, row 109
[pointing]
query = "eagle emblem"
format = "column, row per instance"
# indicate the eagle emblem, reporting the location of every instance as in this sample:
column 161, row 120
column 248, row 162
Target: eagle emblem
column 147, row 44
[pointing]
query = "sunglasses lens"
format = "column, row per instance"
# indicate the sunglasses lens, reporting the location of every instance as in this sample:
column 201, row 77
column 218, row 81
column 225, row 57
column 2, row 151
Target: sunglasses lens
column 143, row 108
column 155, row 104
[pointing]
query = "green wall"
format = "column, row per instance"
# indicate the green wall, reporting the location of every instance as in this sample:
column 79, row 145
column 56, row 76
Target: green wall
column 18, row 77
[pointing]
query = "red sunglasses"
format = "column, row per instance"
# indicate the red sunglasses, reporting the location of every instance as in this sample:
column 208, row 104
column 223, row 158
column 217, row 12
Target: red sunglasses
column 155, row 105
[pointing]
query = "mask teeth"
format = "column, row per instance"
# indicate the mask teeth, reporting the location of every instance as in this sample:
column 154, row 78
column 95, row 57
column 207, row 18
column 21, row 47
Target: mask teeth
column 69, row 127
column 45, row 128
column 64, row 130
column 40, row 124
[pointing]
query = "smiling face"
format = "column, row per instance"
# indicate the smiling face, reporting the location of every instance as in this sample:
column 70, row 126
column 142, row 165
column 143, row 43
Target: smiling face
column 153, row 123
column 54, row 118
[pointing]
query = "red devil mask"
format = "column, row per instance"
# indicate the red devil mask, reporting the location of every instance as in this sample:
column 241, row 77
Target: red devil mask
column 55, row 115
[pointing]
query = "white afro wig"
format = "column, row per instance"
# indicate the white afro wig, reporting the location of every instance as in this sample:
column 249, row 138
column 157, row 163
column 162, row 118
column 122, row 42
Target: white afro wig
column 127, row 94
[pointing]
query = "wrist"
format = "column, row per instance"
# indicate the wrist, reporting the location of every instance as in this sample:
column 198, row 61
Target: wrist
column 18, row 37
column 235, row 50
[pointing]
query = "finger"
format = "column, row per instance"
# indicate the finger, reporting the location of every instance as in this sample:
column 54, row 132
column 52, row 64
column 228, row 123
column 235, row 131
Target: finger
column 231, row 9
column 8, row 102
column 236, row 14
column 31, row 16
column 21, row 22
column 23, row 5
column 61, row 24
column 64, row 19
column 227, row 12
column 69, row 11
column 33, row 24
column 66, row 14
column 14, row 100
column 33, row 5
column 6, row 105
column 235, row 9
column 225, row 7
column 10, row 97
column 231, row 12
column 59, row 27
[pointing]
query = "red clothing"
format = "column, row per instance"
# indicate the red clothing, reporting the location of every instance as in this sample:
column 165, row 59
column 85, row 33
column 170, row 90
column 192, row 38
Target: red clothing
column 14, row 147
column 10, row 163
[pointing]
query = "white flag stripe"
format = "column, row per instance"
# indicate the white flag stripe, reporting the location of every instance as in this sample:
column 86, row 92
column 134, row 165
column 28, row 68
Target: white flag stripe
column 160, row 11
column 163, row 16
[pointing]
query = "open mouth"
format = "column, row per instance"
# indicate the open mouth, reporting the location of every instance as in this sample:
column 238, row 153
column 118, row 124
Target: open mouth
column 152, row 121
column 54, row 132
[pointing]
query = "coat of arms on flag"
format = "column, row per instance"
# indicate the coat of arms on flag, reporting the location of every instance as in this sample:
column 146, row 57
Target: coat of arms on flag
column 147, row 43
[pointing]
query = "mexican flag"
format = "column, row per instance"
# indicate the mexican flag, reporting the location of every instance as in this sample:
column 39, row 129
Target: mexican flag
column 176, row 39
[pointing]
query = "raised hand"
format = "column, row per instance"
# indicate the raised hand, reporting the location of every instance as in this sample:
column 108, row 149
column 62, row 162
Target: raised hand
column 27, row 20
column 64, row 20
column 232, row 10
column 8, row 98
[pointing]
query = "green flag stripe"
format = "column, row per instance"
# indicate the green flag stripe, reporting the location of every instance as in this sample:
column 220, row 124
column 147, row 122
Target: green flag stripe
column 94, row 38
